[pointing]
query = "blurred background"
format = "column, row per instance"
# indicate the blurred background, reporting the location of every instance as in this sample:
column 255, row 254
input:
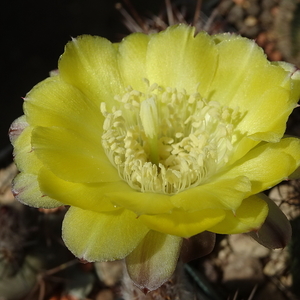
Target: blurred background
column 33, row 35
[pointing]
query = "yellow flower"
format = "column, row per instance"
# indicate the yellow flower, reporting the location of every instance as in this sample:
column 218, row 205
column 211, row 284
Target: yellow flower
column 156, row 139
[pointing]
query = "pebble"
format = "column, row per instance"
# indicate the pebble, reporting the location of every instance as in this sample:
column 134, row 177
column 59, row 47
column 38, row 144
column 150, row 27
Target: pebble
column 242, row 273
column 245, row 245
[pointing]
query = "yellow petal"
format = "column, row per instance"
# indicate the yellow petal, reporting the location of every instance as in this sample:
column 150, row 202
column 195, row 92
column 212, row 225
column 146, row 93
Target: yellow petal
column 267, row 164
column 97, row 236
column 142, row 203
column 26, row 189
column 90, row 196
column 241, row 146
column 56, row 103
column 295, row 84
column 249, row 60
column 219, row 194
column 17, row 128
column 24, row 157
column 90, row 64
column 72, row 156
column 294, row 81
column 102, row 196
column 154, row 260
column 249, row 216
column 250, row 82
column 176, row 58
column 268, row 126
column 132, row 60
column 295, row 174
column 25, row 185
column 182, row 223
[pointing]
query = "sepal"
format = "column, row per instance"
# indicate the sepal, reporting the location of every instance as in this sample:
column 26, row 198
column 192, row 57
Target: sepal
column 276, row 231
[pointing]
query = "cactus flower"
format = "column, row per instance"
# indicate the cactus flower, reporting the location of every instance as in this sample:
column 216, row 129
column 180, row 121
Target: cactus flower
column 156, row 139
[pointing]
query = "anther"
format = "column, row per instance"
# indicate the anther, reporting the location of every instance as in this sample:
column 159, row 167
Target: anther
column 164, row 141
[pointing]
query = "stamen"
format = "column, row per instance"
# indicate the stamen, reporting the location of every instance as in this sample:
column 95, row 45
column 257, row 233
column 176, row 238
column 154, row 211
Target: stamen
column 165, row 141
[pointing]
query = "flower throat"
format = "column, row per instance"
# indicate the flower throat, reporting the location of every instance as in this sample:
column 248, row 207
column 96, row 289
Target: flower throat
column 165, row 141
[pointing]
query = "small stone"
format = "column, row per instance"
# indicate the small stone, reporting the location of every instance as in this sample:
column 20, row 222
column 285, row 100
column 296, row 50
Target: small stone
column 242, row 244
column 286, row 197
column 242, row 273
column 250, row 31
column 109, row 272
column 222, row 255
column 210, row 270
column 277, row 264
column 6, row 177
column 239, row 2
column 276, row 56
column 253, row 9
column 251, row 21
column 268, row 4
column 262, row 39
column 270, row 291
column 236, row 14
column 105, row 294
column 266, row 18
column 225, row 6
column 287, row 280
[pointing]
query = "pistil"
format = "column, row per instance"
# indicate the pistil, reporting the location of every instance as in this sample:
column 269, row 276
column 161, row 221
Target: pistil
column 164, row 140
column 149, row 119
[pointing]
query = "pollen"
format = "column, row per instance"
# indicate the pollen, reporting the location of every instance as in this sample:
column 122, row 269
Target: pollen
column 165, row 140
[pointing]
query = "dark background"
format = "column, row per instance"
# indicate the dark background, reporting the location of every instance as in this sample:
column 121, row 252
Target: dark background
column 33, row 35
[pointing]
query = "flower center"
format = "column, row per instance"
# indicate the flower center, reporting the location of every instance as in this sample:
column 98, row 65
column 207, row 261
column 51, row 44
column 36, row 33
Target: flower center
column 164, row 140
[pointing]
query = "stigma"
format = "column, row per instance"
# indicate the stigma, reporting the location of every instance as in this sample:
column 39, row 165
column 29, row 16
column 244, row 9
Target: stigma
column 166, row 141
